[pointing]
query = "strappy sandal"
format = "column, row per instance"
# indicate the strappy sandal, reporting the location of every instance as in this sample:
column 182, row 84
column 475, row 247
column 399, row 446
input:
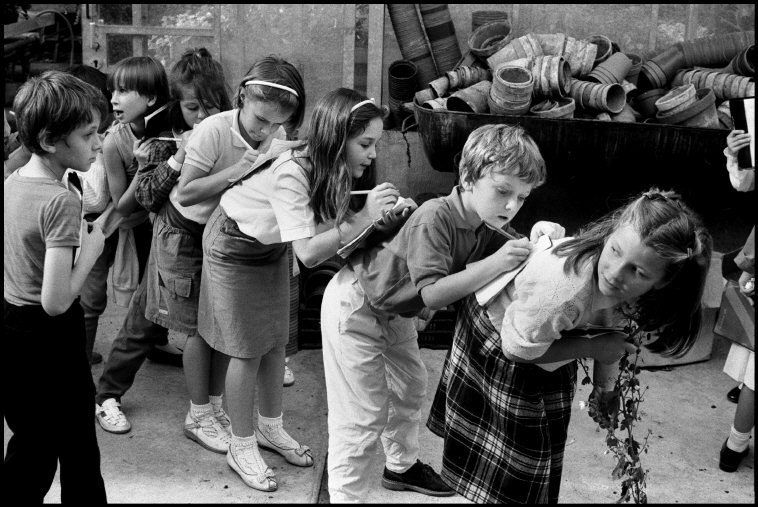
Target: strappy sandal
column 300, row 456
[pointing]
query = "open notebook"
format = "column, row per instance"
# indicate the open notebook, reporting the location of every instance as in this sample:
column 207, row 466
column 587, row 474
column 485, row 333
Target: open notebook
column 493, row 288
column 398, row 208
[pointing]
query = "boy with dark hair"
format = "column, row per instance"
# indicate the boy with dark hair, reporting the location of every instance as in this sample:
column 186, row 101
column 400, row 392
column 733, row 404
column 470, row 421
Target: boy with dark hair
column 58, row 116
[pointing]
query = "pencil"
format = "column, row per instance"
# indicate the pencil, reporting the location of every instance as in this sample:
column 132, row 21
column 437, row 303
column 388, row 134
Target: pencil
column 359, row 192
column 176, row 139
column 503, row 233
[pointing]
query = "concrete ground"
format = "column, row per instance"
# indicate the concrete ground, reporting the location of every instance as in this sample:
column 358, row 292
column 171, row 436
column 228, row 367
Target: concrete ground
column 686, row 409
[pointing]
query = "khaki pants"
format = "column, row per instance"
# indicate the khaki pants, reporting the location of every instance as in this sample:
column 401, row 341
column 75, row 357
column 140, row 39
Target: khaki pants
column 375, row 383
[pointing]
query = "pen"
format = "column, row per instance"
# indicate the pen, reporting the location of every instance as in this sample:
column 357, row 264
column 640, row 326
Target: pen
column 359, row 192
column 176, row 139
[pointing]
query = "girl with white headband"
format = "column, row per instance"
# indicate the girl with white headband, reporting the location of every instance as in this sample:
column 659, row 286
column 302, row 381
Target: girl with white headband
column 303, row 197
column 223, row 146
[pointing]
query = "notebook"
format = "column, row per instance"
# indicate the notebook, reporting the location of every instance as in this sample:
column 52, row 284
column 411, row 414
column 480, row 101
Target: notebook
column 400, row 205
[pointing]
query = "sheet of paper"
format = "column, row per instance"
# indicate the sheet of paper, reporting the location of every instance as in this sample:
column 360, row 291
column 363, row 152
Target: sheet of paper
column 493, row 288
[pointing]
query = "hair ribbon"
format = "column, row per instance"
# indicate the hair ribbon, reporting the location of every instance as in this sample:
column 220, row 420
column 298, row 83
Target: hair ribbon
column 272, row 85
column 362, row 103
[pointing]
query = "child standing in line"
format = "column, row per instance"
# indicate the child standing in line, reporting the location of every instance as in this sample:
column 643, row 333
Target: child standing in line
column 503, row 417
column 139, row 92
column 375, row 378
column 303, row 198
column 93, row 295
column 740, row 363
column 220, row 150
column 139, row 87
column 198, row 90
column 58, row 116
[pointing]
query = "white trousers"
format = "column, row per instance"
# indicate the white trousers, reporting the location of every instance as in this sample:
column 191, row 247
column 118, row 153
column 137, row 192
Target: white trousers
column 375, row 385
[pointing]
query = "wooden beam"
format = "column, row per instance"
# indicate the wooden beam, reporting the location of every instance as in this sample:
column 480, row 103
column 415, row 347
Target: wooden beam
column 348, row 45
column 137, row 47
column 374, row 77
column 653, row 27
column 217, row 28
column 691, row 29
column 157, row 30
column 28, row 25
column 515, row 18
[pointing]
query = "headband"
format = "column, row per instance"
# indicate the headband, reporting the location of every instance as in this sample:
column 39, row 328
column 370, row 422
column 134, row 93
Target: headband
column 362, row 103
column 272, row 85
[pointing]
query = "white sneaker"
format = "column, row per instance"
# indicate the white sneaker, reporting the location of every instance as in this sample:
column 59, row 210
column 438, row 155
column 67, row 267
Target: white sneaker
column 289, row 377
column 248, row 463
column 207, row 431
column 111, row 418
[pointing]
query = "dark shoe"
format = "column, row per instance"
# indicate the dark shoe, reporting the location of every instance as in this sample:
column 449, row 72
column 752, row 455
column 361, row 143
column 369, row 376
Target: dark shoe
column 730, row 459
column 96, row 358
column 420, row 478
column 734, row 395
column 161, row 356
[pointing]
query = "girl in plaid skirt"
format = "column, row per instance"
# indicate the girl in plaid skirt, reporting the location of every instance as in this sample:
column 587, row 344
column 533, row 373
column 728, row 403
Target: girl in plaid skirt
column 504, row 400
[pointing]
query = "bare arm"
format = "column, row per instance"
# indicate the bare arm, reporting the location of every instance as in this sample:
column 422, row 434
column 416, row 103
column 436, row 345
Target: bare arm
column 116, row 171
column 196, row 185
column 61, row 284
column 458, row 285
column 605, row 349
column 315, row 250
column 128, row 203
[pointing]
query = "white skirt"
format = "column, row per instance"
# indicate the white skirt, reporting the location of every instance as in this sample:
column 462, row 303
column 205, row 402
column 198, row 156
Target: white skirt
column 740, row 365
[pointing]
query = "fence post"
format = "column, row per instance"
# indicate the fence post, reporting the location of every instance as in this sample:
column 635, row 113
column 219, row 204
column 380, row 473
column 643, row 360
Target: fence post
column 653, row 27
column 375, row 52
column 348, row 48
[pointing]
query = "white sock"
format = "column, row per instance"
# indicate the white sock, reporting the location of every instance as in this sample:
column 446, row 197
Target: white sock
column 272, row 428
column 217, row 401
column 252, row 454
column 201, row 410
column 738, row 442
column 244, row 441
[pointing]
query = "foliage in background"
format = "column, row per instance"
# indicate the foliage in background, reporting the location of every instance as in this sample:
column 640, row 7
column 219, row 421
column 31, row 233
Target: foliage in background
column 168, row 48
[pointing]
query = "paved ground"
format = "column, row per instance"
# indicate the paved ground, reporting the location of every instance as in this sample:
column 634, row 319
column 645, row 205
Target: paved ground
column 686, row 409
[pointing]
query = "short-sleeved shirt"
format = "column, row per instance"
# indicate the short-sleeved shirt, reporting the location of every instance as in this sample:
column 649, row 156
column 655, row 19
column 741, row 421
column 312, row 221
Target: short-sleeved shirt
column 541, row 302
column 273, row 205
column 213, row 146
column 435, row 242
column 38, row 213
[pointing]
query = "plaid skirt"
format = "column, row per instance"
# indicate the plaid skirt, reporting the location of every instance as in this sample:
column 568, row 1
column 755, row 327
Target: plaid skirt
column 504, row 424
